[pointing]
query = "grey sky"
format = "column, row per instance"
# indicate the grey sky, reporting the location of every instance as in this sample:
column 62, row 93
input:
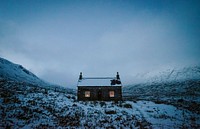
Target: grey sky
column 58, row 39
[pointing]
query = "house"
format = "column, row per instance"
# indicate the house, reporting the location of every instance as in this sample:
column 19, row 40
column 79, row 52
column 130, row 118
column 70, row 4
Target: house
column 99, row 88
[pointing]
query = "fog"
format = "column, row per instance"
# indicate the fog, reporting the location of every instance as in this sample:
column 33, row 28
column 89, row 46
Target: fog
column 57, row 40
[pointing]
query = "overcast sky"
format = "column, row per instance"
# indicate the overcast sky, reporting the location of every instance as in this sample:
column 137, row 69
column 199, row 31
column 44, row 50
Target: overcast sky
column 57, row 39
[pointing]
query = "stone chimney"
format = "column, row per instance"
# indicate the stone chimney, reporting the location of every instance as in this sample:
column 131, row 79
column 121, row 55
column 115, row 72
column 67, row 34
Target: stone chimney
column 117, row 76
column 80, row 76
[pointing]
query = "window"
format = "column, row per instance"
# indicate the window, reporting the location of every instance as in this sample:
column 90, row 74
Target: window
column 87, row 94
column 111, row 93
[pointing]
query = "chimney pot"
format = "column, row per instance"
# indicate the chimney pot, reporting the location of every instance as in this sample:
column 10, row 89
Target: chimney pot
column 117, row 75
column 80, row 76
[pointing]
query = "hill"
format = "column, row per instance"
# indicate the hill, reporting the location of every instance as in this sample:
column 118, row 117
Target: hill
column 178, row 87
column 14, row 73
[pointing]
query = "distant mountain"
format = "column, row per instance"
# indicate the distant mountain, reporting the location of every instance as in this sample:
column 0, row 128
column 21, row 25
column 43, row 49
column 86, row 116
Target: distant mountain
column 169, row 75
column 15, row 73
column 18, row 73
column 175, row 75
column 176, row 86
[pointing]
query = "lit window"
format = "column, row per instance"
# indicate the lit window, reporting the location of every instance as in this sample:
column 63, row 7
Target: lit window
column 87, row 93
column 111, row 93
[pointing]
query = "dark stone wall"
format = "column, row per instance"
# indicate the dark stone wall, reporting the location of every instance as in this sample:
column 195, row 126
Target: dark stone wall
column 99, row 93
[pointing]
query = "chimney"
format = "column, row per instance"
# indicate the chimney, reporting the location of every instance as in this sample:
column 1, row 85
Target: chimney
column 80, row 76
column 117, row 75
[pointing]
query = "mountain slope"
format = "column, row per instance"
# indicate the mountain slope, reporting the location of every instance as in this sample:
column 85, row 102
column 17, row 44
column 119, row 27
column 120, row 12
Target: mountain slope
column 178, row 87
column 175, row 75
column 169, row 75
column 18, row 73
column 10, row 72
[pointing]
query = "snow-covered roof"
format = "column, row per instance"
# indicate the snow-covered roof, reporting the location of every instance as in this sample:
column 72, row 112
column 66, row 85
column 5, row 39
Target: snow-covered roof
column 99, row 81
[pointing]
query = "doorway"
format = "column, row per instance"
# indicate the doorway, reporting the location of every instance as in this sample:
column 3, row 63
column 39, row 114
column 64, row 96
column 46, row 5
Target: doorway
column 99, row 95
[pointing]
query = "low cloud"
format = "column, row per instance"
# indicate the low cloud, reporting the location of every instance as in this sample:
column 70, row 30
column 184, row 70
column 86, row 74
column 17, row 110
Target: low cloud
column 57, row 46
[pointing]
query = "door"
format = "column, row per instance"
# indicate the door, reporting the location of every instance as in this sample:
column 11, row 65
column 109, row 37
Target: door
column 99, row 95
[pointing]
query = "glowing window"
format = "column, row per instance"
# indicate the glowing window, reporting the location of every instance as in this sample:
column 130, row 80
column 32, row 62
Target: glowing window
column 87, row 94
column 111, row 93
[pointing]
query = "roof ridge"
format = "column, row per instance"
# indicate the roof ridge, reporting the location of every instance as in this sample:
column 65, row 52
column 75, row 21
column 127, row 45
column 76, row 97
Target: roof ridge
column 99, row 77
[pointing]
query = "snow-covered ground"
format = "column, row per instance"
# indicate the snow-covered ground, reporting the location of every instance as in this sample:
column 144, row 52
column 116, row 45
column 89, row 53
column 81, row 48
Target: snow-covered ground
column 26, row 106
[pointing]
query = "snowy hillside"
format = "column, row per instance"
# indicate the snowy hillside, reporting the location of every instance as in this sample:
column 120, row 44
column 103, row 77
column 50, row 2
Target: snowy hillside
column 170, row 75
column 178, row 87
column 18, row 74
column 174, row 75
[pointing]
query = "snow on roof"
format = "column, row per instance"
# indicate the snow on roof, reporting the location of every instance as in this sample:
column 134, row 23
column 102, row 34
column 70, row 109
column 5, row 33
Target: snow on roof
column 97, row 81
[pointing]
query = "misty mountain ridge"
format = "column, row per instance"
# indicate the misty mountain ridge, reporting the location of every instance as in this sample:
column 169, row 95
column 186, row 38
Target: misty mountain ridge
column 180, row 87
column 18, row 73
column 169, row 75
